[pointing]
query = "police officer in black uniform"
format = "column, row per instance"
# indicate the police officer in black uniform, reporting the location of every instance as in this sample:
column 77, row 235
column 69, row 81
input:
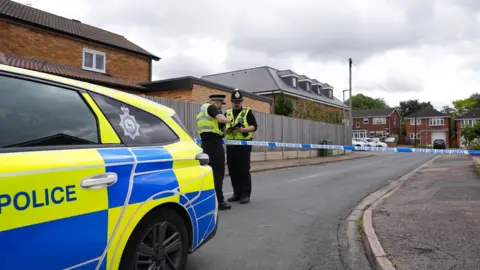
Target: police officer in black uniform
column 211, row 124
column 238, row 156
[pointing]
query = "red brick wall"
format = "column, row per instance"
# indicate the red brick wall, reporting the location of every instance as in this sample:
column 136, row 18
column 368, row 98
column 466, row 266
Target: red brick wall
column 393, row 124
column 199, row 94
column 39, row 44
column 426, row 136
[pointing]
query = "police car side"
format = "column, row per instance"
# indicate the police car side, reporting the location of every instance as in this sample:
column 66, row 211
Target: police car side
column 95, row 176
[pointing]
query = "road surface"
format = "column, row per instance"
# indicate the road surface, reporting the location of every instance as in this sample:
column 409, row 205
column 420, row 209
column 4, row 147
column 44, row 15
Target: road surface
column 295, row 217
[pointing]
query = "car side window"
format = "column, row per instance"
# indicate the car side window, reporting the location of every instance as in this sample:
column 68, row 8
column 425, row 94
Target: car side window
column 34, row 114
column 134, row 126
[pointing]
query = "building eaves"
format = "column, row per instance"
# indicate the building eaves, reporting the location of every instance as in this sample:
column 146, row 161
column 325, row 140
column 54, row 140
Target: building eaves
column 187, row 82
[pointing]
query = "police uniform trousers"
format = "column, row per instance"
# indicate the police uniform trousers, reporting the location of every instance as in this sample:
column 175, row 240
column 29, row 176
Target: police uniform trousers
column 238, row 161
column 214, row 149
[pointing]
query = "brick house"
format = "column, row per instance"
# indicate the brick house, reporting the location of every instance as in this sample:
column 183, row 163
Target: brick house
column 308, row 96
column 191, row 89
column 376, row 123
column 469, row 118
column 41, row 41
column 430, row 125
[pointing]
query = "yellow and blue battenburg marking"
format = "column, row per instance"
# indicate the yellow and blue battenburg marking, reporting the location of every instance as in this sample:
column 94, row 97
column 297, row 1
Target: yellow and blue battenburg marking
column 46, row 217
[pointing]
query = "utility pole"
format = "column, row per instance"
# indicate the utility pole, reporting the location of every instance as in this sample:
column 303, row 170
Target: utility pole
column 344, row 119
column 350, row 92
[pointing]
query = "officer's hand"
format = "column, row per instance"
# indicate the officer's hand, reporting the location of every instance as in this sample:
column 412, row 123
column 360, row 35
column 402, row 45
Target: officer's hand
column 229, row 120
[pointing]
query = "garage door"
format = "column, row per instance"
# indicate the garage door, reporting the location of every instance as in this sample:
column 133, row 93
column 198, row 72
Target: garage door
column 438, row 135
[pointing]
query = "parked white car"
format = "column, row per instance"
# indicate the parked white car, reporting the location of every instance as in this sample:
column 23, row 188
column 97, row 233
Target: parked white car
column 375, row 142
column 359, row 142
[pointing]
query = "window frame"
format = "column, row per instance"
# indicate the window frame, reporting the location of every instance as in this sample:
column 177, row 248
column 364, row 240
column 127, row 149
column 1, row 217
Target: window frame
column 368, row 121
column 294, row 82
column 412, row 121
column 357, row 125
column 432, row 122
column 129, row 104
column 418, row 136
column 67, row 87
column 383, row 122
column 95, row 53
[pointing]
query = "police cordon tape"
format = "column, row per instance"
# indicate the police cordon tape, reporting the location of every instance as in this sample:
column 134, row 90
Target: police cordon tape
column 350, row 147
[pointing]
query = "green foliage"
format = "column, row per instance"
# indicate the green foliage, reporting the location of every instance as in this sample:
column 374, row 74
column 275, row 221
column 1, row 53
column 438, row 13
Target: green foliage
column 363, row 102
column 403, row 128
column 310, row 110
column 469, row 133
column 412, row 105
column 464, row 105
column 282, row 106
column 474, row 145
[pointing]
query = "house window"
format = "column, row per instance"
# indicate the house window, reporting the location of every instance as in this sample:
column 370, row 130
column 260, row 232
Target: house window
column 294, row 82
column 94, row 60
column 412, row 122
column 394, row 121
column 436, row 122
column 358, row 124
column 308, row 86
column 412, row 135
column 330, row 93
column 468, row 122
column 365, row 120
column 379, row 121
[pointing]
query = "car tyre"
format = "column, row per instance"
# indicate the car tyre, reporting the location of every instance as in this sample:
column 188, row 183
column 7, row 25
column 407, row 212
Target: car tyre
column 143, row 249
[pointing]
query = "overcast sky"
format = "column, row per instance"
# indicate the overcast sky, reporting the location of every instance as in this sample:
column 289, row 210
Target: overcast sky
column 402, row 49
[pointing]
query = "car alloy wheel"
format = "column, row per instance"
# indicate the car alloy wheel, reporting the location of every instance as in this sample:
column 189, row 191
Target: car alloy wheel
column 160, row 248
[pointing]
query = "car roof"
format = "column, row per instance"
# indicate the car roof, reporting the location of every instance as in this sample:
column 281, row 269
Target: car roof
column 131, row 99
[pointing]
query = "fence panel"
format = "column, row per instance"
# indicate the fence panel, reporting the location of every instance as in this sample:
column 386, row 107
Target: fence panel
column 270, row 127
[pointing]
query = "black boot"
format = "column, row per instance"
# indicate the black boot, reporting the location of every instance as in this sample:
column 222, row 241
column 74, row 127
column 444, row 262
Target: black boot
column 244, row 200
column 234, row 198
column 224, row 206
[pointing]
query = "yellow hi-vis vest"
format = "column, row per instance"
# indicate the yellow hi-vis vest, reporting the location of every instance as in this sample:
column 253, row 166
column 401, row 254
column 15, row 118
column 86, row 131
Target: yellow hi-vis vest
column 206, row 123
column 235, row 135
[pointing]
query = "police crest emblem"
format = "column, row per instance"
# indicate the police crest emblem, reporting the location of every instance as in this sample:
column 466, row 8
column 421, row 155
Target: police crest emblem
column 129, row 124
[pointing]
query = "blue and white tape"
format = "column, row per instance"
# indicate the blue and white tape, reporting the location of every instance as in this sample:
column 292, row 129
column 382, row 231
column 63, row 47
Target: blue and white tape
column 351, row 147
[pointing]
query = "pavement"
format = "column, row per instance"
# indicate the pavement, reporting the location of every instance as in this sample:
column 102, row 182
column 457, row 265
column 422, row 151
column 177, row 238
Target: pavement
column 433, row 220
column 297, row 216
column 260, row 166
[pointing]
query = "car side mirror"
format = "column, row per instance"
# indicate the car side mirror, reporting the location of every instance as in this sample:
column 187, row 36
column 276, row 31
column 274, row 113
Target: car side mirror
column 203, row 158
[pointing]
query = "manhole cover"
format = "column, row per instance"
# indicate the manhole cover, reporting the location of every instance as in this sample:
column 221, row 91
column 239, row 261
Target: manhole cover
column 463, row 193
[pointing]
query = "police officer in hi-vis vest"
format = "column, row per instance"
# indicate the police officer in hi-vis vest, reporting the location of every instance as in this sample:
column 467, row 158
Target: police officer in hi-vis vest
column 238, row 156
column 211, row 123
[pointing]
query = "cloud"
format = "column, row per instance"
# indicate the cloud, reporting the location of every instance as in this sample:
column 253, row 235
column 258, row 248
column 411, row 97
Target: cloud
column 423, row 49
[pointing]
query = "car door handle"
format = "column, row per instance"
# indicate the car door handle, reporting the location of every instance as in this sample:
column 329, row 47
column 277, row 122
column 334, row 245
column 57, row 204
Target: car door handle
column 203, row 158
column 99, row 181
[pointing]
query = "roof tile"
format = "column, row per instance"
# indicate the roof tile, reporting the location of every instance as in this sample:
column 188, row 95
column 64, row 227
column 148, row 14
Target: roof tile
column 67, row 71
column 372, row 113
column 16, row 11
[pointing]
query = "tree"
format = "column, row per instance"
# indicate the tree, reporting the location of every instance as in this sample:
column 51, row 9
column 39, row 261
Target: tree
column 471, row 134
column 283, row 107
column 464, row 105
column 363, row 102
column 412, row 105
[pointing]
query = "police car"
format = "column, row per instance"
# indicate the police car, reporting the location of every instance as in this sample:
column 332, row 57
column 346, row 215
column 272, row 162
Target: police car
column 95, row 178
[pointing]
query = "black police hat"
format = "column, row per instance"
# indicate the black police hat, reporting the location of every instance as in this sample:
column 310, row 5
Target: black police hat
column 217, row 97
column 236, row 95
